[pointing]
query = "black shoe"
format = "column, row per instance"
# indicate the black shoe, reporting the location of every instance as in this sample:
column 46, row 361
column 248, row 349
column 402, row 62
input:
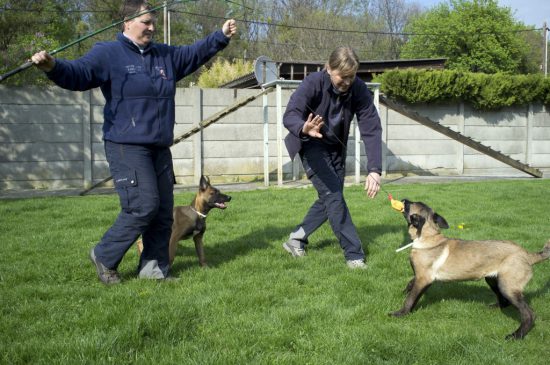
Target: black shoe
column 106, row 276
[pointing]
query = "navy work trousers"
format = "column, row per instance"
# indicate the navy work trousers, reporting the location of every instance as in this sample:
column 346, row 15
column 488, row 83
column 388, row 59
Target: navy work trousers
column 324, row 166
column 144, row 180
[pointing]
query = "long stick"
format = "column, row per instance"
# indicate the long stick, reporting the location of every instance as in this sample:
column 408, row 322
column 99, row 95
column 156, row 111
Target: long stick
column 203, row 124
column 28, row 64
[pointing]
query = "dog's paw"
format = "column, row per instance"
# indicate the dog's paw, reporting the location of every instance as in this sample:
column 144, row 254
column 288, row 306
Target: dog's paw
column 399, row 313
column 514, row 336
column 498, row 305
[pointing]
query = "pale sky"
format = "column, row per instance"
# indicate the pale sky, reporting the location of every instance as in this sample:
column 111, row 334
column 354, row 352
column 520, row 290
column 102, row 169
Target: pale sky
column 530, row 12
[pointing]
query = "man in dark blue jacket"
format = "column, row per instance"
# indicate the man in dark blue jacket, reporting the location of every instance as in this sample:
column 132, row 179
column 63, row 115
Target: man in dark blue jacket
column 318, row 117
column 138, row 80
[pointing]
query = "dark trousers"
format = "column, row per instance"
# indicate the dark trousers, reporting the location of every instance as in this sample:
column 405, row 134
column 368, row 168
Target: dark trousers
column 144, row 180
column 325, row 167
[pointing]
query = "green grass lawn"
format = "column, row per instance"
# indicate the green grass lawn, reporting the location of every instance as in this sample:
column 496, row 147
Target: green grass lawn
column 257, row 305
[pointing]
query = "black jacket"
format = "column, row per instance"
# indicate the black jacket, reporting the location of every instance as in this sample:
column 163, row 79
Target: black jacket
column 314, row 94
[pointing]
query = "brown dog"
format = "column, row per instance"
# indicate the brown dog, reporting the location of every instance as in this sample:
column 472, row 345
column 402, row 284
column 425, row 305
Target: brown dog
column 190, row 220
column 505, row 266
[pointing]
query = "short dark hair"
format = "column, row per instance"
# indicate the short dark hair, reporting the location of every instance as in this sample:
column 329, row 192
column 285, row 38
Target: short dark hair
column 133, row 7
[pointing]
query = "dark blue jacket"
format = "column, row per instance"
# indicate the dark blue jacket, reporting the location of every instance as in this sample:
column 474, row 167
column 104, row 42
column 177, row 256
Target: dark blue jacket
column 315, row 93
column 139, row 89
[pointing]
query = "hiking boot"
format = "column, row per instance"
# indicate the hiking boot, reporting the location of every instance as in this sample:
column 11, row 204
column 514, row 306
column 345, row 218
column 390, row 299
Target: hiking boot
column 293, row 250
column 356, row 264
column 106, row 276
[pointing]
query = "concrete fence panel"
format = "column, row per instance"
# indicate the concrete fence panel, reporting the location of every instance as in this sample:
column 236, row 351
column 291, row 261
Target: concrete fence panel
column 52, row 138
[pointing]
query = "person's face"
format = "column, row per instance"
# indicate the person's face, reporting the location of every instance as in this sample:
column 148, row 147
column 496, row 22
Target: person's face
column 341, row 81
column 141, row 29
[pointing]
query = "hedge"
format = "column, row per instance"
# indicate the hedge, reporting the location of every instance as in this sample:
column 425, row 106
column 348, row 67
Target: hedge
column 483, row 91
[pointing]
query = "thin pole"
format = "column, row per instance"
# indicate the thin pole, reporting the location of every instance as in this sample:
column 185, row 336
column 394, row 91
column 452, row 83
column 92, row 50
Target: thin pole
column 165, row 23
column 545, row 61
column 169, row 28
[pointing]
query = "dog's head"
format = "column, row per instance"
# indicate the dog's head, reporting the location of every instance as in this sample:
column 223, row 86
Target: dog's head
column 422, row 220
column 210, row 196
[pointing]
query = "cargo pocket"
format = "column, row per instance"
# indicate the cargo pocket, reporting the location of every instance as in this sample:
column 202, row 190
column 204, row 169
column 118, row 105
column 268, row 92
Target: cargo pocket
column 127, row 188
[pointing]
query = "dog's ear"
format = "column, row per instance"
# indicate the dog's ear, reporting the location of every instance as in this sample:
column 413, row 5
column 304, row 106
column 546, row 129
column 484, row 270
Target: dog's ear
column 204, row 183
column 440, row 221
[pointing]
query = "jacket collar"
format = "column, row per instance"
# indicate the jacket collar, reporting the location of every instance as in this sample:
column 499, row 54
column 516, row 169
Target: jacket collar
column 129, row 44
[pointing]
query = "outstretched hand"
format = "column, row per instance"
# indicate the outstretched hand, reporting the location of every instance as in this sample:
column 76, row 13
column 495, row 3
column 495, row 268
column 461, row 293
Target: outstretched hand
column 313, row 125
column 229, row 28
column 43, row 61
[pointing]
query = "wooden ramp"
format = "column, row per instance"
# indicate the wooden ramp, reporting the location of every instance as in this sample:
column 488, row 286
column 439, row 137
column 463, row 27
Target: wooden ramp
column 460, row 137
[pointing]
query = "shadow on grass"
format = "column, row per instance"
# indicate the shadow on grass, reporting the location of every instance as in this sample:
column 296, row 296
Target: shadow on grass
column 368, row 234
column 464, row 292
column 217, row 254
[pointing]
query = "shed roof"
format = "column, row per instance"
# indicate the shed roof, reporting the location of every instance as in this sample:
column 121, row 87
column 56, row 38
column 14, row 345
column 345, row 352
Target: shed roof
column 297, row 70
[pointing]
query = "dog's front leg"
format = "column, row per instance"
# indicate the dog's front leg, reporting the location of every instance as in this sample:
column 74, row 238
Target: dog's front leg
column 419, row 286
column 409, row 286
column 199, row 247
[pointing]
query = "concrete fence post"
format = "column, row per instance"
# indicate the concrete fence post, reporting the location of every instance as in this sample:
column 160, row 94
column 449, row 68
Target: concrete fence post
column 460, row 150
column 529, row 135
column 87, row 158
column 197, row 115
column 279, row 135
column 265, row 107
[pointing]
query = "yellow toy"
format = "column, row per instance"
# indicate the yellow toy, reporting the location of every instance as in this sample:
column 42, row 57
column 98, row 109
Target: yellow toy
column 396, row 204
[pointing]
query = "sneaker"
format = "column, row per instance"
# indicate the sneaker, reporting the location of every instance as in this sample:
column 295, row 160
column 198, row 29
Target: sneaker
column 356, row 264
column 294, row 251
column 106, row 276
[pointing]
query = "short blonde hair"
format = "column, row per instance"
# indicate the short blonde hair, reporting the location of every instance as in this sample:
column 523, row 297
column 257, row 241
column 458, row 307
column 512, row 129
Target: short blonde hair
column 343, row 59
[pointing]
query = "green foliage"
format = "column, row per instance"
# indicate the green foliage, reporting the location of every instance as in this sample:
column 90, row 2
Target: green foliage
column 222, row 71
column 28, row 27
column 483, row 39
column 257, row 305
column 475, row 35
column 483, row 91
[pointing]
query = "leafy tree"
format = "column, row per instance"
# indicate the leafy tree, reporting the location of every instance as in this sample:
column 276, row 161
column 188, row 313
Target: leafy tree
column 475, row 35
column 32, row 25
column 393, row 16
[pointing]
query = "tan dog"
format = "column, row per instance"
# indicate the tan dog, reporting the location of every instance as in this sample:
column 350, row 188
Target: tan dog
column 505, row 266
column 190, row 220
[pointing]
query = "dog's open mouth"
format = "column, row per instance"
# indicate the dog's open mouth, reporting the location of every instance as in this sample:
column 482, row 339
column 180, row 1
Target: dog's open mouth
column 221, row 205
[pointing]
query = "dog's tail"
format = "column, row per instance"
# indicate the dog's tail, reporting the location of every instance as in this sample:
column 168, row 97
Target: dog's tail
column 535, row 258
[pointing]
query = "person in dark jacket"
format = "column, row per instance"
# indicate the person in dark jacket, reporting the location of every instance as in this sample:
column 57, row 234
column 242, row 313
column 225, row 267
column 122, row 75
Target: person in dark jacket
column 318, row 117
column 138, row 80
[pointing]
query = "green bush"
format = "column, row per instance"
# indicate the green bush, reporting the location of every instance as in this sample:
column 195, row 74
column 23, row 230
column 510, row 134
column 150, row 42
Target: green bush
column 222, row 71
column 483, row 91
